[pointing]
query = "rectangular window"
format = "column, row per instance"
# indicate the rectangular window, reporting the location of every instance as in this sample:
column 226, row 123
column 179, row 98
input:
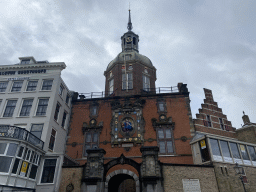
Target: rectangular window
column 111, row 86
column 36, row 129
column 127, row 81
column 225, row 151
column 165, row 141
column 252, row 152
column 215, row 150
column 47, row 85
column 26, row 107
column 64, row 119
column 16, row 86
column 221, row 124
column 5, row 164
column 91, row 141
column 209, row 122
column 57, row 110
column 52, row 139
column 67, row 99
column 42, row 107
column 48, row 170
column 3, row 86
column 9, row 109
column 31, row 86
column 93, row 110
column 244, row 152
column 146, row 83
column 204, row 151
column 235, row 151
column 61, row 90
column 25, row 61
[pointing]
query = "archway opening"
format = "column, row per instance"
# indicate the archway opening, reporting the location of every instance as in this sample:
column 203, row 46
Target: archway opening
column 122, row 183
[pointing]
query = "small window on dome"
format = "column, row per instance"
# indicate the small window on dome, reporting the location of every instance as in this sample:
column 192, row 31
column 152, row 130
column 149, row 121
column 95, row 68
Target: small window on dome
column 134, row 41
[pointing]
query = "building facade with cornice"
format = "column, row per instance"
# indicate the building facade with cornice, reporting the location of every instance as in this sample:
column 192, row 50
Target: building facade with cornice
column 35, row 106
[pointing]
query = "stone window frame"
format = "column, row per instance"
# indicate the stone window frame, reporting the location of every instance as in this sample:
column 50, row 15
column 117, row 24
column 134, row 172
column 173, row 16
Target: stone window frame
column 161, row 101
column 94, row 106
column 17, row 86
column 92, row 143
column 32, row 85
column 3, row 86
column 165, row 127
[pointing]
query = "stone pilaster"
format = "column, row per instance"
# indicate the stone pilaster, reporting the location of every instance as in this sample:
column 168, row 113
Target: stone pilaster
column 92, row 180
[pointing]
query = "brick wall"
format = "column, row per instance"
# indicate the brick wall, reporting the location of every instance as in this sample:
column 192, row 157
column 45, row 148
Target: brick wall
column 173, row 176
column 71, row 175
column 176, row 108
column 247, row 134
column 228, row 181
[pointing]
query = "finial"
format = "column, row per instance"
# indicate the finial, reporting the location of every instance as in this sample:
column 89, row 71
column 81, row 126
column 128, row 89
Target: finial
column 129, row 26
column 243, row 113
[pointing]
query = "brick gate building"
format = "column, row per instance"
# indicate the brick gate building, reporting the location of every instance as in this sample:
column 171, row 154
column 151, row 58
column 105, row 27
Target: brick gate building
column 133, row 136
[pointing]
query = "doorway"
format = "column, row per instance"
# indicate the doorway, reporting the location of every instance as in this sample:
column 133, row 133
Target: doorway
column 122, row 183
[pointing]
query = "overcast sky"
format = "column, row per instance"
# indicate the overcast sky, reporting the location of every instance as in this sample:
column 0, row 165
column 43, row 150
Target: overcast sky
column 203, row 43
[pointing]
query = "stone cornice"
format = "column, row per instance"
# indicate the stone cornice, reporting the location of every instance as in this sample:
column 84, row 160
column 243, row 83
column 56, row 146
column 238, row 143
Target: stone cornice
column 61, row 65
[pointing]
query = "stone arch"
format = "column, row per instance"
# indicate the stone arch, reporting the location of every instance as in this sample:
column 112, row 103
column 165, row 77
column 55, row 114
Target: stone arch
column 121, row 160
column 123, row 171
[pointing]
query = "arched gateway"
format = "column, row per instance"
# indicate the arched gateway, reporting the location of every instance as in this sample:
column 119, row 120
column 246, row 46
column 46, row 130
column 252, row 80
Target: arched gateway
column 149, row 176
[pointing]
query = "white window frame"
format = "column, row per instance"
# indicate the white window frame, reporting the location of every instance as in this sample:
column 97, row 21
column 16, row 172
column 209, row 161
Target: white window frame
column 47, row 86
column 33, row 86
column 38, row 106
column 42, row 170
column 6, row 106
column 17, row 87
column 54, row 139
column 27, row 105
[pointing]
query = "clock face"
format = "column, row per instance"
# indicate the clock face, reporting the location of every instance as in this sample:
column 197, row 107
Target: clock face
column 128, row 39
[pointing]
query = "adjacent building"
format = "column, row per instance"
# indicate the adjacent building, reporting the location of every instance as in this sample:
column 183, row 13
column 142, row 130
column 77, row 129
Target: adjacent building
column 35, row 106
column 217, row 143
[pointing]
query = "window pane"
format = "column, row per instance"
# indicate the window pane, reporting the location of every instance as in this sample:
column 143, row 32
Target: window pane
column 17, row 86
column 169, row 147
column 161, row 106
column 48, row 171
column 2, row 148
column 95, row 137
column 20, row 151
column 37, row 129
column 33, row 171
column 160, row 134
column 10, row 106
column 12, row 149
column 161, row 147
column 3, row 86
column 252, row 153
column 47, row 85
column 244, row 152
column 26, row 106
column 5, row 164
column 85, row 148
column 235, row 151
column 88, row 137
column 15, row 166
column 168, row 133
column 225, row 149
column 31, row 86
column 215, row 147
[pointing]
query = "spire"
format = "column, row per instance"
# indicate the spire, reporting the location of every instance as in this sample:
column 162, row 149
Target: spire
column 129, row 26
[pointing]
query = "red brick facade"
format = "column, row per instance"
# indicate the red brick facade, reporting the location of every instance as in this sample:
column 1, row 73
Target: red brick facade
column 177, row 107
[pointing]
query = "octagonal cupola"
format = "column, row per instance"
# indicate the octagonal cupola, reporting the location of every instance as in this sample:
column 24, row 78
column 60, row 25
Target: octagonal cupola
column 130, row 40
